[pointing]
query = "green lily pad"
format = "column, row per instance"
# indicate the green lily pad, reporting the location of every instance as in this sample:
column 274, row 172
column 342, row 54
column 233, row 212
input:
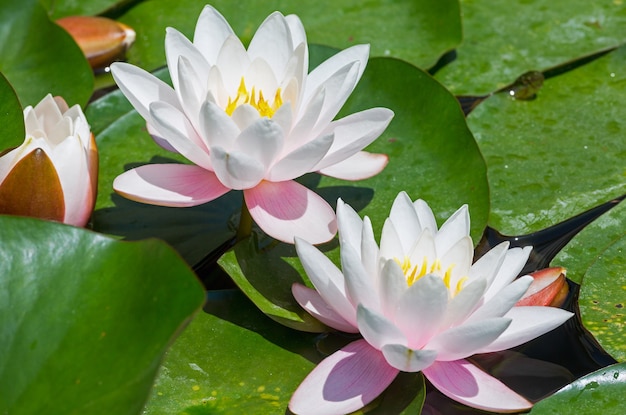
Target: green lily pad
column 419, row 31
column 12, row 129
column 602, row 299
column 599, row 392
column 38, row 57
column 61, row 8
column 233, row 360
column 85, row 319
column 559, row 154
column 503, row 40
column 585, row 249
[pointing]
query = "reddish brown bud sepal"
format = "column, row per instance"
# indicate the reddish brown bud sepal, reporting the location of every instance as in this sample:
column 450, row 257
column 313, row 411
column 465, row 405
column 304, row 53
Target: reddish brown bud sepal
column 102, row 40
column 549, row 288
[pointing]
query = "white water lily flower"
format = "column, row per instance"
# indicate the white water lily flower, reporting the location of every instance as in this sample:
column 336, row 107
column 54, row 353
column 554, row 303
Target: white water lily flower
column 252, row 120
column 53, row 175
column 420, row 305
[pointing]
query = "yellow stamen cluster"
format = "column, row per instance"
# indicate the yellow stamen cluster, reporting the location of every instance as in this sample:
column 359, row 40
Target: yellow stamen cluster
column 415, row 273
column 261, row 104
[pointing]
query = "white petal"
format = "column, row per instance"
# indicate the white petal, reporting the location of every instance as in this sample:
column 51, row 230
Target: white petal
column 263, row 141
column 458, row 259
column 467, row 339
column 392, row 285
column 236, row 170
column 210, row 33
column 349, row 224
column 421, row 309
column 501, row 303
column 354, row 132
column 218, row 129
column 377, row 329
column 233, row 61
column 360, row 166
column 528, row 323
column 314, row 304
column 405, row 219
column 177, row 45
column 489, row 264
column 301, row 160
column 464, row 303
column 177, row 130
column 390, row 243
column 273, row 31
column 327, row 280
column 513, row 264
column 317, row 77
column 142, row 88
column 369, row 250
column 425, row 215
column 455, row 228
column 406, row 359
column 360, row 288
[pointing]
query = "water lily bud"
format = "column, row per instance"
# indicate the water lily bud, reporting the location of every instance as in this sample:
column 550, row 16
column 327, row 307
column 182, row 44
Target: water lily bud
column 53, row 175
column 102, row 40
column 548, row 288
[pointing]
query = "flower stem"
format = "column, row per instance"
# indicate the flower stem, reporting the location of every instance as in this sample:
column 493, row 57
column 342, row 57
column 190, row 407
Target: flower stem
column 245, row 223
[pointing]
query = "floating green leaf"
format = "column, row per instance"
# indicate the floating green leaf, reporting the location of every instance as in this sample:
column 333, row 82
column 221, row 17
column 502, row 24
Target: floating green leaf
column 557, row 155
column 38, row 57
column 603, row 299
column 234, row 360
column 61, row 8
column 12, row 125
column 502, row 40
column 599, row 392
column 419, row 31
column 84, row 319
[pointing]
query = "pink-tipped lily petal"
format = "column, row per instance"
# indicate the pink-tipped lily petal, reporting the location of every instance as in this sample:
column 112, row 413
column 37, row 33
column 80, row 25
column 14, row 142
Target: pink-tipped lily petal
column 527, row 324
column 327, row 279
column 285, row 210
column 465, row 383
column 343, row 382
column 360, row 166
column 314, row 304
column 178, row 185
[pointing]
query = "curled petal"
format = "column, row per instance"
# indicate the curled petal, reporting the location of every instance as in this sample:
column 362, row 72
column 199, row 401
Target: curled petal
column 236, row 169
column 360, row 166
column 345, row 381
column 377, row 329
column 406, row 359
column 462, row 381
column 177, row 185
column 285, row 210
column 314, row 304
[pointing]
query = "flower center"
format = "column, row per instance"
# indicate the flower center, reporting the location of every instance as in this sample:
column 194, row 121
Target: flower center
column 262, row 105
column 414, row 273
